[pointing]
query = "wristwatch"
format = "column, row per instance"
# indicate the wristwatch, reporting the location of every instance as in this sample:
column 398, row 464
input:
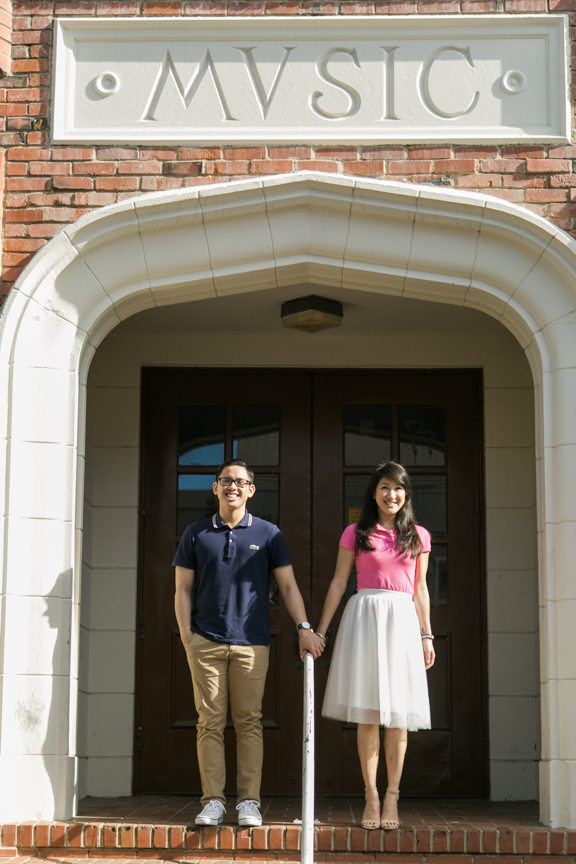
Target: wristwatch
column 304, row 626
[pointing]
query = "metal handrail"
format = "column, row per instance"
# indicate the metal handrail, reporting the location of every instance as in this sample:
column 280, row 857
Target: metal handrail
column 307, row 843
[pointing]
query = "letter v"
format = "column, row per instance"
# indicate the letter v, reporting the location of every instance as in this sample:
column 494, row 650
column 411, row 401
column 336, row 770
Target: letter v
column 264, row 100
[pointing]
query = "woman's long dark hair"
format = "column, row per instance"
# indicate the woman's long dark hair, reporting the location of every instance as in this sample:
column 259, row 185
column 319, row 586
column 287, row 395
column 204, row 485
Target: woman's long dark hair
column 407, row 538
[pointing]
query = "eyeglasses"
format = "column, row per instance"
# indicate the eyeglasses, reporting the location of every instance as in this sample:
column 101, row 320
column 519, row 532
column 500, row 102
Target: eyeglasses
column 228, row 481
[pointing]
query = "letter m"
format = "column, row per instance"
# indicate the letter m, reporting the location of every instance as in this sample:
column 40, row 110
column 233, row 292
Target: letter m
column 168, row 69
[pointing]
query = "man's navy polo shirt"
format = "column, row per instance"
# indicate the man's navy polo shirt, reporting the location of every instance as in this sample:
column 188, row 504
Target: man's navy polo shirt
column 232, row 569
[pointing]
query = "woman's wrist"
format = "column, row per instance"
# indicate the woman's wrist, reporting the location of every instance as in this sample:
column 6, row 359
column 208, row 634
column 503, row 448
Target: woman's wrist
column 427, row 636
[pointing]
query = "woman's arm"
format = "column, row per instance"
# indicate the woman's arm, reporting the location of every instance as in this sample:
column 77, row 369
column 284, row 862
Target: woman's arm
column 422, row 603
column 344, row 564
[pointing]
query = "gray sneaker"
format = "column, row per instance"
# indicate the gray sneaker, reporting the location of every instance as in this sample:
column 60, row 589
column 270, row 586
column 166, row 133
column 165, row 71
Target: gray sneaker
column 212, row 814
column 249, row 815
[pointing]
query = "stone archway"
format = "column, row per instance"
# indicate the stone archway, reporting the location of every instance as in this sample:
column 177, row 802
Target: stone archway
column 441, row 245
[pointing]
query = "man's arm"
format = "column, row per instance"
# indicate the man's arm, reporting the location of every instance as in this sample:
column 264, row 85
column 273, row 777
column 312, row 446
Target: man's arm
column 294, row 603
column 183, row 600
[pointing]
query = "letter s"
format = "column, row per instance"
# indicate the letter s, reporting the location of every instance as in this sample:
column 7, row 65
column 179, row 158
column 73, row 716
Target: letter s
column 353, row 95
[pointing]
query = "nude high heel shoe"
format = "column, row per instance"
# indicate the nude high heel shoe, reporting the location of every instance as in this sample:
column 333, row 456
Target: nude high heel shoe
column 371, row 824
column 390, row 824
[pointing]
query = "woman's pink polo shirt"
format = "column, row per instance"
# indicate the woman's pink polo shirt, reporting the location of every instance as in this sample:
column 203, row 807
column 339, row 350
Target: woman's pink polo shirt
column 385, row 567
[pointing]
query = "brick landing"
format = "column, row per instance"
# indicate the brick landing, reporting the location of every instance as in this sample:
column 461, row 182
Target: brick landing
column 162, row 829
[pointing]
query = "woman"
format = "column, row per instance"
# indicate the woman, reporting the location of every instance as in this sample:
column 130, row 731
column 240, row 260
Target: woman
column 384, row 644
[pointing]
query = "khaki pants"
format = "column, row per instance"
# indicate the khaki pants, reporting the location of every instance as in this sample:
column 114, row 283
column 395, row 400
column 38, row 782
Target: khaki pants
column 220, row 672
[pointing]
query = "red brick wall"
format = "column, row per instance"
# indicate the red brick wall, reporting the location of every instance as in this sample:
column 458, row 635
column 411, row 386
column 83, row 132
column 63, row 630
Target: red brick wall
column 47, row 187
column 5, row 35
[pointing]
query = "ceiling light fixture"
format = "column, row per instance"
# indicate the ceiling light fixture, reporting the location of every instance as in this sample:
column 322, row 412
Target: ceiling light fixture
column 311, row 314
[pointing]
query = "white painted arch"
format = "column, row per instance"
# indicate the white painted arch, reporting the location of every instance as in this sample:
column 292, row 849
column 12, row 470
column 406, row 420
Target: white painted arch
column 415, row 241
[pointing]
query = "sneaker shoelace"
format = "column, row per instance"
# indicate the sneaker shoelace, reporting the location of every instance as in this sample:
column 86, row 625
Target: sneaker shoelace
column 249, row 805
column 214, row 806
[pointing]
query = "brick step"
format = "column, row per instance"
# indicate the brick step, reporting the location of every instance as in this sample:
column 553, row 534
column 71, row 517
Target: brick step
column 281, row 841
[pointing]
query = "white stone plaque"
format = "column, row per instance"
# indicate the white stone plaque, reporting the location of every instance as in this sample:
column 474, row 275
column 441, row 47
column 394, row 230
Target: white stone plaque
column 324, row 80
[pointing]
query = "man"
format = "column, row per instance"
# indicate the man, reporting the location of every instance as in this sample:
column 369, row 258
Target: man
column 227, row 634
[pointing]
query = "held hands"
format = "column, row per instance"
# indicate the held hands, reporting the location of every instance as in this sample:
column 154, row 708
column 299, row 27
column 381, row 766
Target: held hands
column 309, row 641
column 429, row 653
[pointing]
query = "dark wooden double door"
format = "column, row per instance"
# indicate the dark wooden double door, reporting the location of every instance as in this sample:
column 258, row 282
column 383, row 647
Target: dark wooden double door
column 313, row 440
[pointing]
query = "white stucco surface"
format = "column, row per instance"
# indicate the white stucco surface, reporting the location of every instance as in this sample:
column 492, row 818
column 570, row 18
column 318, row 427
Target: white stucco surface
column 448, row 78
column 418, row 242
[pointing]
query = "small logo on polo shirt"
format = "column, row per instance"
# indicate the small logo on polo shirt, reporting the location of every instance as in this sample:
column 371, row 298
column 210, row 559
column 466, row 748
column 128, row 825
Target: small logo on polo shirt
column 253, row 547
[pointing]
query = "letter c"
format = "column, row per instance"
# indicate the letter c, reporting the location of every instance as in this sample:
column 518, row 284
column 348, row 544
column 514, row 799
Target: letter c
column 425, row 81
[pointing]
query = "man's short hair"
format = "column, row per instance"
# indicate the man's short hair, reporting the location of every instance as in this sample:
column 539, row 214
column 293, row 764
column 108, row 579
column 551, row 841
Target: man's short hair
column 239, row 463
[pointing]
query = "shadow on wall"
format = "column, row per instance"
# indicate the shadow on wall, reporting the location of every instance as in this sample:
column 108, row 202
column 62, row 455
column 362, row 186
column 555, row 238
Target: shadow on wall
column 48, row 708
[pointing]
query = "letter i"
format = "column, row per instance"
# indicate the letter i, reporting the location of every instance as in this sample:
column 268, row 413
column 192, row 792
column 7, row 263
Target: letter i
column 389, row 113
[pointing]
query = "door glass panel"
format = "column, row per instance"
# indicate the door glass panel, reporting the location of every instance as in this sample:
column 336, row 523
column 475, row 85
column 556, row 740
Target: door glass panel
column 201, row 434
column 438, row 576
column 266, row 501
column 354, row 489
column 429, row 501
column 257, row 434
column 367, row 434
column 195, row 499
column 422, row 431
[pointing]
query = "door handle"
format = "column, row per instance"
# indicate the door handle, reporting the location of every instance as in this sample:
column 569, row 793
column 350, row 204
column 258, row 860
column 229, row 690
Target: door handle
column 325, row 658
column 299, row 662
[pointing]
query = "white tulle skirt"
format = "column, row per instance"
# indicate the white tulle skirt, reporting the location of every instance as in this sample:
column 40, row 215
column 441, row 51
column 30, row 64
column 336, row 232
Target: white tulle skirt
column 377, row 673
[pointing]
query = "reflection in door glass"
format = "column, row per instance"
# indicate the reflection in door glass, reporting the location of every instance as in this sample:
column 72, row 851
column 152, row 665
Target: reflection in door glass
column 367, row 434
column 257, row 434
column 201, row 434
column 438, row 576
column 266, row 501
column 354, row 488
column 422, row 434
column 195, row 499
column 429, row 501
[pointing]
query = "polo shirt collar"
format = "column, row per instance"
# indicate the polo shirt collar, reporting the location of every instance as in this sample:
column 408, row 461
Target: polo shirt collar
column 385, row 531
column 245, row 523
